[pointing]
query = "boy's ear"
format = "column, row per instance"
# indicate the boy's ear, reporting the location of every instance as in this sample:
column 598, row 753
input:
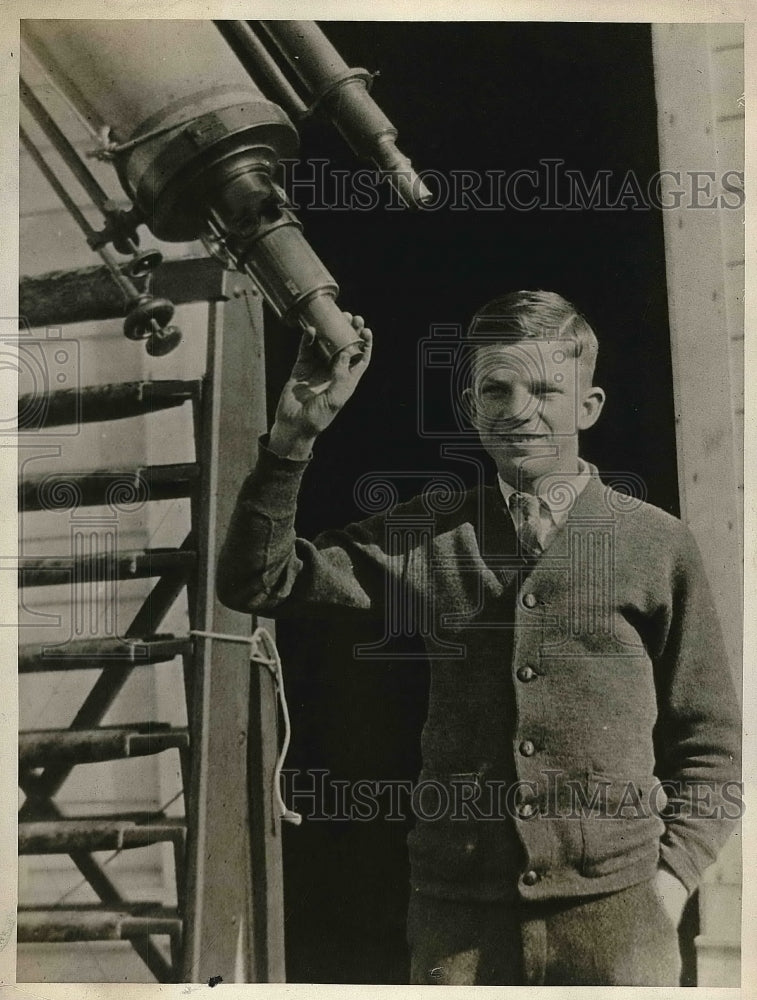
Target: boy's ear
column 591, row 407
column 468, row 401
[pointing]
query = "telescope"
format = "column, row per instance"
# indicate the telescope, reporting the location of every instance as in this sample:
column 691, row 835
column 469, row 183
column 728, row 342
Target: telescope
column 196, row 117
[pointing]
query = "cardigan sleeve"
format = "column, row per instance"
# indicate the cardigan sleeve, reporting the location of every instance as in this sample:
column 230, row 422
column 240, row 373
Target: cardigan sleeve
column 264, row 568
column 698, row 730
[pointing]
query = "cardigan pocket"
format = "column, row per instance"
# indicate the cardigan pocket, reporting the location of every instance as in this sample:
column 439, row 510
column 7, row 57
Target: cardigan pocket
column 445, row 836
column 619, row 825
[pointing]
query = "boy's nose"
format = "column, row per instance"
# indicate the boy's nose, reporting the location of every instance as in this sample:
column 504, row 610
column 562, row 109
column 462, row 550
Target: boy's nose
column 520, row 406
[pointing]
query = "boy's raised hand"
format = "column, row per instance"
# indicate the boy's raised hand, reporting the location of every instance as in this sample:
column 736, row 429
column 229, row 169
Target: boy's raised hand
column 315, row 392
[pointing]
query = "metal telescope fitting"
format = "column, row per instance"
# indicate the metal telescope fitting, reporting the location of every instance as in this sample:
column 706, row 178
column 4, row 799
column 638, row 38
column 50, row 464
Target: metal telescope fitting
column 213, row 177
column 147, row 317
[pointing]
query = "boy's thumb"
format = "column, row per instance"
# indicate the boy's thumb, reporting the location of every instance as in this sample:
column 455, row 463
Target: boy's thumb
column 342, row 362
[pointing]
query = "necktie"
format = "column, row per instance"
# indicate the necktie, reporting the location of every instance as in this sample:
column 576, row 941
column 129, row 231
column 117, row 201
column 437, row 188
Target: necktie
column 531, row 524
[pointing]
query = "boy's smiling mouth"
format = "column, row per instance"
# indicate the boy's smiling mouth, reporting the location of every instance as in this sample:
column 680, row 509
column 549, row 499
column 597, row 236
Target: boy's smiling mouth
column 522, row 438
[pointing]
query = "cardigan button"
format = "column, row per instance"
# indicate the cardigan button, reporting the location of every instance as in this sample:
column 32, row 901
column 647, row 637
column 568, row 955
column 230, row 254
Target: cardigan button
column 530, row 877
column 527, row 748
column 526, row 674
column 529, row 600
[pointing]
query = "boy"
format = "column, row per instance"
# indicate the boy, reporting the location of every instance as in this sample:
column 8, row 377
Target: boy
column 585, row 734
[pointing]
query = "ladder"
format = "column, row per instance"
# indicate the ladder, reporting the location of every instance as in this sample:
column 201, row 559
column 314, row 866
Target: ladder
column 226, row 918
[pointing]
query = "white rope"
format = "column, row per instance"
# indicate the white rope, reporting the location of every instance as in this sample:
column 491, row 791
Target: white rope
column 263, row 650
column 261, row 637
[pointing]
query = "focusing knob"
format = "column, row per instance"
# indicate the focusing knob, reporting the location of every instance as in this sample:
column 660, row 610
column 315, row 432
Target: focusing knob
column 144, row 263
column 163, row 341
column 147, row 314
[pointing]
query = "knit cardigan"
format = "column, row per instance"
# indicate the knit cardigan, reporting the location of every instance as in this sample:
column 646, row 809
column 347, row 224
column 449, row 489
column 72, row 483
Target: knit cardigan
column 583, row 725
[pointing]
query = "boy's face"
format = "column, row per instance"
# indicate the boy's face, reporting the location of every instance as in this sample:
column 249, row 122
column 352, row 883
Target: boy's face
column 528, row 401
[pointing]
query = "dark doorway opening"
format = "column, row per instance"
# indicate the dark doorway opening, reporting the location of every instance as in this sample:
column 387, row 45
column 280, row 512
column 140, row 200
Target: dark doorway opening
column 474, row 98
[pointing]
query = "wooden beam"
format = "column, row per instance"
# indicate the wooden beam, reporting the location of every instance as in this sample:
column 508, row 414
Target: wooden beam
column 700, row 343
column 101, row 402
column 122, row 564
column 703, row 250
column 101, row 654
column 265, row 825
column 234, row 858
column 64, row 491
column 90, row 293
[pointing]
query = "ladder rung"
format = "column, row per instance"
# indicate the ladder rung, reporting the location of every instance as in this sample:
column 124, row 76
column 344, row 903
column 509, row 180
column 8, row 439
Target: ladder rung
column 89, row 293
column 93, row 924
column 134, row 564
column 110, row 653
column 102, row 402
column 86, row 746
column 61, row 491
column 141, row 818
column 65, row 835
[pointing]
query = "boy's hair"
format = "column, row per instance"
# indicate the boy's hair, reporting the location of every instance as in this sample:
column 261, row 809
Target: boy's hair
column 535, row 314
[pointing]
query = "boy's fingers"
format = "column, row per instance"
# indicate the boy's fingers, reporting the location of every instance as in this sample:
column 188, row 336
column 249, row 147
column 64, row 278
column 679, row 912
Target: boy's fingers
column 344, row 365
column 341, row 364
column 306, row 341
column 366, row 335
column 361, row 361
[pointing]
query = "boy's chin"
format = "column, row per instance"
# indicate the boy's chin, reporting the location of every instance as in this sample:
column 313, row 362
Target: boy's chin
column 528, row 467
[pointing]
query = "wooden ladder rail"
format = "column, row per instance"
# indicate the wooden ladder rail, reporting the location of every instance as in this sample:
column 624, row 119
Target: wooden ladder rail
column 231, row 905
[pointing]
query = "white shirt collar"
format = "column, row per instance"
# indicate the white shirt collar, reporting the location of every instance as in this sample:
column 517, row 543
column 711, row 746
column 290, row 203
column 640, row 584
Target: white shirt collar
column 552, row 493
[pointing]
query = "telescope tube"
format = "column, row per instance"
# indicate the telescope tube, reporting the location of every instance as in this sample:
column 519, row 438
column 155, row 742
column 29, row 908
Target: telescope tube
column 343, row 92
column 196, row 146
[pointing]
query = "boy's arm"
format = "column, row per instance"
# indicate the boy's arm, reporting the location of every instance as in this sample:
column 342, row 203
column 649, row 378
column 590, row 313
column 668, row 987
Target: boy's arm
column 263, row 567
column 698, row 731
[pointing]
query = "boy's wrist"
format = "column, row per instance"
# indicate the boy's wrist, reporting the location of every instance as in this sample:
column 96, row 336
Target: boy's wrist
column 666, row 872
column 290, row 443
column 671, row 892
